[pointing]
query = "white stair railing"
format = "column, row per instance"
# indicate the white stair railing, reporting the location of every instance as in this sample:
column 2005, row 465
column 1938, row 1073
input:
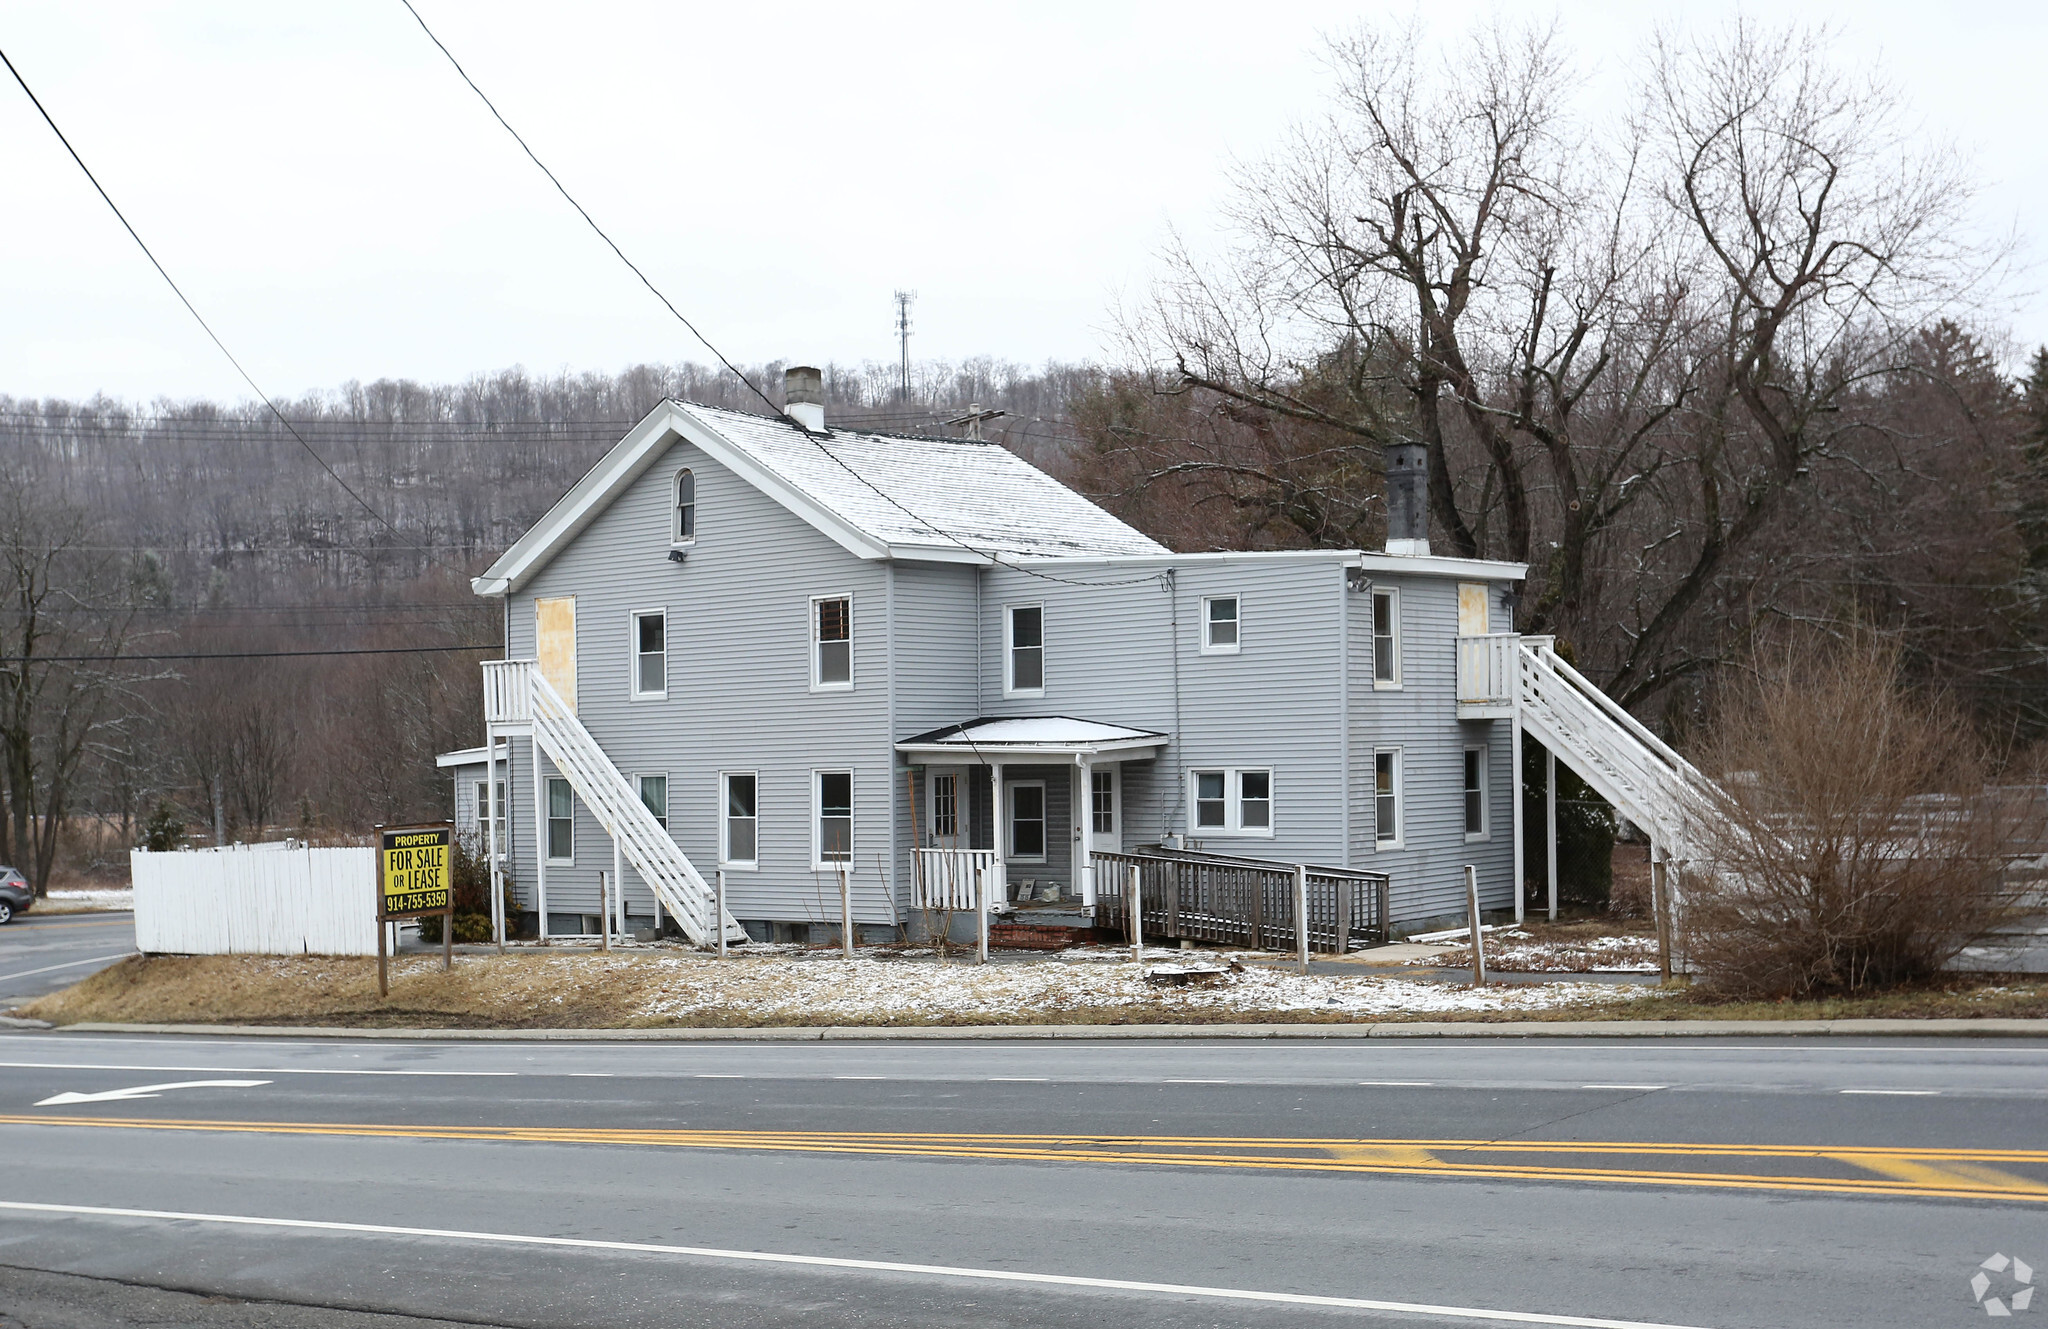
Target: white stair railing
column 1612, row 751
column 516, row 692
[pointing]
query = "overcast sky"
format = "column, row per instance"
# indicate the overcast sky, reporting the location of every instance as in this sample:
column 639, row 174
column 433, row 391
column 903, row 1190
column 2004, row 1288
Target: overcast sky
column 340, row 206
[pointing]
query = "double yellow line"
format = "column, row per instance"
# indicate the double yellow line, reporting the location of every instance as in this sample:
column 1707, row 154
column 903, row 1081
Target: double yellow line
column 1957, row 1174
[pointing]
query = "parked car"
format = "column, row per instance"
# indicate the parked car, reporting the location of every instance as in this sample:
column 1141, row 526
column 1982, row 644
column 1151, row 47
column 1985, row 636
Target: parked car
column 15, row 895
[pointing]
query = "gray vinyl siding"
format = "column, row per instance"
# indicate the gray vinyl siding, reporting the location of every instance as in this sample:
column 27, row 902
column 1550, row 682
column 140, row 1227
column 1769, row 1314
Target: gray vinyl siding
column 1421, row 719
column 739, row 691
column 1112, row 654
column 934, row 679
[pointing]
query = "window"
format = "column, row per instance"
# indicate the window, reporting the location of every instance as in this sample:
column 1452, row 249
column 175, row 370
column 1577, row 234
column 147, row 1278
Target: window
column 654, row 797
column 483, row 812
column 1027, row 822
column 561, row 821
column 1386, row 806
column 1233, row 802
column 835, row 818
column 1475, row 794
column 683, row 526
column 739, row 836
column 1386, row 638
column 1102, row 801
column 1219, row 625
column 1255, row 800
column 1024, row 627
column 832, row 641
column 945, row 805
column 650, row 654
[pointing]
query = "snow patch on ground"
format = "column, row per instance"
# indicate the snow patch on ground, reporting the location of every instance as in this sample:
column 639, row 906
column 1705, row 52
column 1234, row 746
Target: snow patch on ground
column 1514, row 952
column 867, row 990
column 82, row 901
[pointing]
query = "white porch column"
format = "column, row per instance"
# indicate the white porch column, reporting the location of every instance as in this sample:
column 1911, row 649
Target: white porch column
column 1084, row 832
column 540, row 841
column 491, row 832
column 1550, row 824
column 1515, row 784
column 999, row 884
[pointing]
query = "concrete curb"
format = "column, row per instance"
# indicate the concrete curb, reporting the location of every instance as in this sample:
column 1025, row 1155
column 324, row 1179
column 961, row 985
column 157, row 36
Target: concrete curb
column 1987, row 1028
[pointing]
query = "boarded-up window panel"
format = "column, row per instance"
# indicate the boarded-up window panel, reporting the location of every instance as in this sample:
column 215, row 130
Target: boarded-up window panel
column 1472, row 609
column 555, row 644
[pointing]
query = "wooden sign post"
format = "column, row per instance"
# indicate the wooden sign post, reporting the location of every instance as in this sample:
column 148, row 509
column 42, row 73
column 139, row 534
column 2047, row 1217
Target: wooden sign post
column 414, row 879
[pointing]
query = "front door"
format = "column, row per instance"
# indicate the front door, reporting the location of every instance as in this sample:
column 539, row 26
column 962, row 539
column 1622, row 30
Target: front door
column 1106, row 808
column 946, row 815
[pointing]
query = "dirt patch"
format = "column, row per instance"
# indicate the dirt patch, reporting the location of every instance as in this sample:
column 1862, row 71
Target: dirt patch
column 681, row 990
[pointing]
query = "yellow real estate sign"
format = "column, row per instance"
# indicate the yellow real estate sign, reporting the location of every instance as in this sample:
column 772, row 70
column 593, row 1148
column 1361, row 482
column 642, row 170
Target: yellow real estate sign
column 413, row 870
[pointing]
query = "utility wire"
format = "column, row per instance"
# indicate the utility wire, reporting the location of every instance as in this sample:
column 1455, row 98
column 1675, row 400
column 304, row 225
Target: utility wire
column 189, row 306
column 844, row 465
column 243, row 655
column 559, row 188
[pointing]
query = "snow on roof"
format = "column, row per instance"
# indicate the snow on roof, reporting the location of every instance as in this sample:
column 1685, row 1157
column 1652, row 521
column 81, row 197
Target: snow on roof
column 941, row 492
column 1038, row 731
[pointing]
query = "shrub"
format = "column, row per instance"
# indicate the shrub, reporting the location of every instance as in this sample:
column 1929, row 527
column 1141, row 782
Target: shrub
column 1852, row 844
column 164, row 831
column 469, row 875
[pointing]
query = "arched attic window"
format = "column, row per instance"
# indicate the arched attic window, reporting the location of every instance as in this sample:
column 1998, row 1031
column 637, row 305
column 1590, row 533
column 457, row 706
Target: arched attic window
column 683, row 524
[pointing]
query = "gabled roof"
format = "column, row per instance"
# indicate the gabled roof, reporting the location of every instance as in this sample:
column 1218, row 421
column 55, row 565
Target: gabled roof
column 876, row 495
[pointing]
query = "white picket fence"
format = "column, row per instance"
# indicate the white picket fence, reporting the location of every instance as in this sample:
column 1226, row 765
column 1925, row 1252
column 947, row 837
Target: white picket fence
column 282, row 899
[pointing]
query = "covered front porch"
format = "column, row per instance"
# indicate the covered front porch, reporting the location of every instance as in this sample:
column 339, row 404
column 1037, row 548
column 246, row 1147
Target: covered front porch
column 1021, row 804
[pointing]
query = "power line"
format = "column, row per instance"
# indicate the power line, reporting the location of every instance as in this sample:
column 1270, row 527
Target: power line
column 175, row 290
column 844, row 465
column 531, row 155
column 243, row 655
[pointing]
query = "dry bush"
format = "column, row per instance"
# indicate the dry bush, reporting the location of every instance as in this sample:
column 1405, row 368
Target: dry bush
column 1853, row 844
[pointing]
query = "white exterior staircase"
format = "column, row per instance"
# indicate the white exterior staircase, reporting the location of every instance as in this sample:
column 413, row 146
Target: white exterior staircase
column 1507, row 674
column 518, row 700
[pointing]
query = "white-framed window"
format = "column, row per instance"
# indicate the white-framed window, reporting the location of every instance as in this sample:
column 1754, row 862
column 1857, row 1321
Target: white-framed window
column 561, row 821
column 483, row 812
column 1024, row 650
column 832, row 795
column 1386, row 637
column 831, row 643
column 945, row 797
column 1230, row 800
column 682, row 526
column 1220, row 627
column 650, row 654
column 1476, row 827
column 739, row 819
column 1102, row 802
column 654, row 796
column 1027, row 821
column 1386, row 798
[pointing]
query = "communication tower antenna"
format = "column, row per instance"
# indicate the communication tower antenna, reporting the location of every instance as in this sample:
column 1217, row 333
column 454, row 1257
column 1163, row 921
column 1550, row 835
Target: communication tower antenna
column 904, row 299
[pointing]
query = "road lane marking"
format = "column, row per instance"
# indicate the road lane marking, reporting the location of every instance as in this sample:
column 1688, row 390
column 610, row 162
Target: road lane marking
column 860, row 1077
column 590, row 1075
column 1471, row 1159
column 1399, row 1084
column 1644, row 1087
column 68, row 964
column 244, row 1070
column 144, row 1091
column 1196, row 1082
column 1897, row 1093
column 709, row 1076
column 842, row 1262
column 1019, row 1079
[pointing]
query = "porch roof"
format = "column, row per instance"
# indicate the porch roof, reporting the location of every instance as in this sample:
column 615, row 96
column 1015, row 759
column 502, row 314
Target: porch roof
column 981, row 741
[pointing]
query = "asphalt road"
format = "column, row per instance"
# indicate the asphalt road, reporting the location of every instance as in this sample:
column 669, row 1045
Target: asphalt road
column 43, row 952
column 1709, row 1183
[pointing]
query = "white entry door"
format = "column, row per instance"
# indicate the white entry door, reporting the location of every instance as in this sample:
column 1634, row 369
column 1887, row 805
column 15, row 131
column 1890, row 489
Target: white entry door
column 1106, row 808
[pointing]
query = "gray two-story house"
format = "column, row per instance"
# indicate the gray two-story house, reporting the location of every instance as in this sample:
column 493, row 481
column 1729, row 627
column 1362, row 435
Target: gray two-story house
column 784, row 652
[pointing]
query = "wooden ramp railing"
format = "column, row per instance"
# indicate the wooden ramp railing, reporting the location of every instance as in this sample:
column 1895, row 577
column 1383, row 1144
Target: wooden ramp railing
column 1241, row 901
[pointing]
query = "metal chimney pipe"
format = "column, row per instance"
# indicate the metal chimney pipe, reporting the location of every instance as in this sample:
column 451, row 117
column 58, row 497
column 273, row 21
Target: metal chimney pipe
column 1407, row 498
column 803, row 397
